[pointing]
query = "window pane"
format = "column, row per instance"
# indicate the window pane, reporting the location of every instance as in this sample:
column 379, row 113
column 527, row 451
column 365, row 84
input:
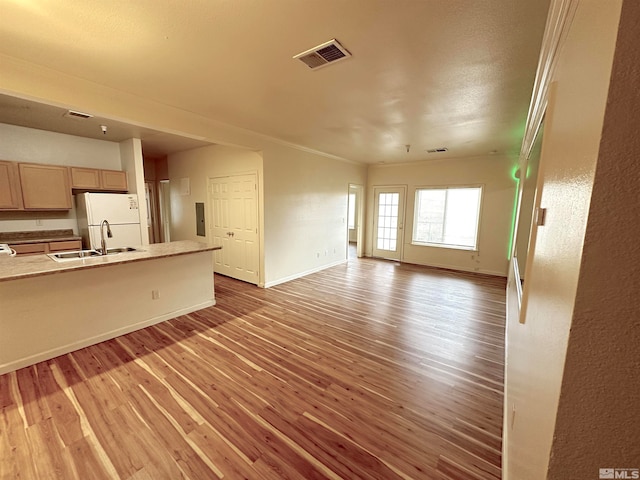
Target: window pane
column 387, row 221
column 447, row 216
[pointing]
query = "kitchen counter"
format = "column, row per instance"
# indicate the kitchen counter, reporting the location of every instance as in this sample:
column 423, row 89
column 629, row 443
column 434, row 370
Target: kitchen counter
column 12, row 268
column 50, row 308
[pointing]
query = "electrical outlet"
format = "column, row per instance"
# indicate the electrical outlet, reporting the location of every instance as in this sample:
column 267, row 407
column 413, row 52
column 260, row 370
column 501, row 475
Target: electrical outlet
column 155, row 294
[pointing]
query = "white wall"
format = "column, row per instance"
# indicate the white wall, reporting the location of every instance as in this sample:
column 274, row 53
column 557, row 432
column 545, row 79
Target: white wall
column 302, row 197
column 133, row 164
column 198, row 165
column 493, row 172
column 305, row 211
column 21, row 144
column 589, row 430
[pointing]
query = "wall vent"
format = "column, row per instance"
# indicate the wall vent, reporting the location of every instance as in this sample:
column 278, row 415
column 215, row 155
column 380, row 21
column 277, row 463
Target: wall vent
column 76, row 114
column 323, row 55
column 437, row 150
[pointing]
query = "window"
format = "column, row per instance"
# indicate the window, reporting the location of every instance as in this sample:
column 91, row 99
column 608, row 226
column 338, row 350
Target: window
column 352, row 211
column 447, row 217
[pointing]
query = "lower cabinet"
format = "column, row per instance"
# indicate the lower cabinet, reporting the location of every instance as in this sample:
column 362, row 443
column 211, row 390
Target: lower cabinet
column 46, row 247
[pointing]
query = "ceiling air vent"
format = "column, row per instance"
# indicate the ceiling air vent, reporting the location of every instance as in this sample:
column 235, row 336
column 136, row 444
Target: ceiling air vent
column 322, row 55
column 437, row 150
column 75, row 114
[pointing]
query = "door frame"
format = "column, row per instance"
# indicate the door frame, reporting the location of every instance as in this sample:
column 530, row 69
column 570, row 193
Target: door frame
column 401, row 219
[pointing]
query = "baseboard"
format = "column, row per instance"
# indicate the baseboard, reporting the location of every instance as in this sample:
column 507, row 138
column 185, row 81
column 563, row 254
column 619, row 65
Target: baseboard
column 303, row 274
column 457, row 268
column 71, row 347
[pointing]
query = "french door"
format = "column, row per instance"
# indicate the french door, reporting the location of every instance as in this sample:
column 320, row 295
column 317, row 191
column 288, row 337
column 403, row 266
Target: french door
column 388, row 222
column 234, row 226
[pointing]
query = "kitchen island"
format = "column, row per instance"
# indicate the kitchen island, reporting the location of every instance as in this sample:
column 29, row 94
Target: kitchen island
column 49, row 308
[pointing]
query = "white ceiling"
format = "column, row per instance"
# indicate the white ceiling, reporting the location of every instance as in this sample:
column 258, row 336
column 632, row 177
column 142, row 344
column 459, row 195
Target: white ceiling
column 425, row 73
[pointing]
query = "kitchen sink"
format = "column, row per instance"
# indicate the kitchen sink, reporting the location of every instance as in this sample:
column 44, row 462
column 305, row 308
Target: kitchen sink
column 82, row 254
column 75, row 255
column 112, row 251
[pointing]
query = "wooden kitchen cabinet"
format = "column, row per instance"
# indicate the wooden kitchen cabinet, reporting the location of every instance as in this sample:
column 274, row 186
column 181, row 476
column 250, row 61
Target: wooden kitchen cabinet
column 10, row 191
column 45, row 187
column 36, row 248
column 30, row 248
column 93, row 179
column 65, row 245
column 113, row 180
column 85, row 178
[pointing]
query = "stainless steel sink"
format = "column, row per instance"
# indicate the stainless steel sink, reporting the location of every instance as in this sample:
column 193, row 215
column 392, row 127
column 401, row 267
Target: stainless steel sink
column 75, row 255
column 82, row 254
column 112, row 251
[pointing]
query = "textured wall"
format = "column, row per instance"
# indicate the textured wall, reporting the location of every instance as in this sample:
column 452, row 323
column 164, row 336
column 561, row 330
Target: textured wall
column 598, row 420
column 536, row 350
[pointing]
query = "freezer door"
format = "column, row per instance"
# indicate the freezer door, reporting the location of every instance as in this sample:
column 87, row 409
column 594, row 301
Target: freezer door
column 127, row 235
column 117, row 208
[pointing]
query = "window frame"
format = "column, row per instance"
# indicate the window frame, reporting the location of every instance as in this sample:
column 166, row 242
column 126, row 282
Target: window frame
column 447, row 245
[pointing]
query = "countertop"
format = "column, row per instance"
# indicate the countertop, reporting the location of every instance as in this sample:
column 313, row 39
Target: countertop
column 13, row 268
column 39, row 236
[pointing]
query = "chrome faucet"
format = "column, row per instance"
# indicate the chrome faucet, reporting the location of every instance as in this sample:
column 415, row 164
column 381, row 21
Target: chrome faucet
column 103, row 242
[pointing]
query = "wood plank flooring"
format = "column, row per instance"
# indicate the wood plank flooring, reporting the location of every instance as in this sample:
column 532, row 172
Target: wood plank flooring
column 368, row 370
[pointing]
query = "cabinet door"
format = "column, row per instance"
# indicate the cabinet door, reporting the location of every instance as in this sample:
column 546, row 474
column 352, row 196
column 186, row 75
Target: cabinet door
column 31, row 248
column 10, row 195
column 65, row 245
column 113, row 180
column 45, row 187
column 85, row 178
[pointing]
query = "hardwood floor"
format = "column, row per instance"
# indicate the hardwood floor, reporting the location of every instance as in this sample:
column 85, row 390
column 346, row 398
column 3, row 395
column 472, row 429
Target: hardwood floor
column 368, row 370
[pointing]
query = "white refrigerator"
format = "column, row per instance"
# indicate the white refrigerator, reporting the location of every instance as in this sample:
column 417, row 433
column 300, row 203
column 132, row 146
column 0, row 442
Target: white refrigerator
column 119, row 209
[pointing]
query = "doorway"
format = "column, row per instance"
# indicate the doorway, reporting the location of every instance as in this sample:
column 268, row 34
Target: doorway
column 234, row 226
column 388, row 222
column 355, row 219
column 165, row 210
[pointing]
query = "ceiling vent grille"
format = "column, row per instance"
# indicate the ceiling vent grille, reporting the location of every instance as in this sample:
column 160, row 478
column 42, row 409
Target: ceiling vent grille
column 76, row 114
column 323, row 55
column 437, row 150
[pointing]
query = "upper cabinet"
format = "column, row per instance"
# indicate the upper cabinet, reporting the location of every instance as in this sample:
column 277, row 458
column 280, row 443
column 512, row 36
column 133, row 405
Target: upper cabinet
column 98, row 180
column 31, row 186
column 45, row 187
column 10, row 194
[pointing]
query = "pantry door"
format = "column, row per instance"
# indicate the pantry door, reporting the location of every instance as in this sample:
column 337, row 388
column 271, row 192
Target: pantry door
column 388, row 222
column 234, row 226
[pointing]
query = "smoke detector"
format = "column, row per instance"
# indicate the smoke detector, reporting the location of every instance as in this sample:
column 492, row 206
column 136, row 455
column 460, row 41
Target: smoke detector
column 323, row 55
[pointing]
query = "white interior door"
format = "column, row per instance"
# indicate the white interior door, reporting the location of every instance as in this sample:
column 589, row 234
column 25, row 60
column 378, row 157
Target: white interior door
column 388, row 222
column 234, row 226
